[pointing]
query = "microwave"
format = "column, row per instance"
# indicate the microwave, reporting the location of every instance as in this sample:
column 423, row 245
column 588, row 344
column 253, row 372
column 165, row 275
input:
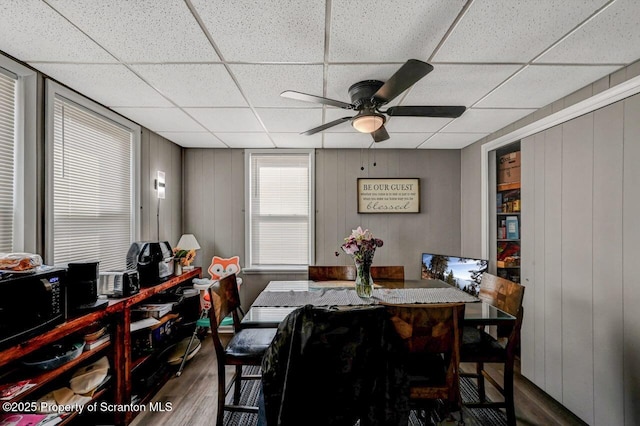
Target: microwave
column 30, row 303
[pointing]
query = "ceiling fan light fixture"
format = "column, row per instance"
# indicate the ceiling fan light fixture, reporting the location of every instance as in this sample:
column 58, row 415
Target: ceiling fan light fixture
column 368, row 123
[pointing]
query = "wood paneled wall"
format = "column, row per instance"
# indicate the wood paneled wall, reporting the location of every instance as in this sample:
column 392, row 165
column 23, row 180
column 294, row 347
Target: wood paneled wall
column 581, row 239
column 436, row 229
column 214, row 207
column 158, row 153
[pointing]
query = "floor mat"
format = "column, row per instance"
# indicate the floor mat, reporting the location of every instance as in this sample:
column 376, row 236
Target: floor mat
column 471, row 417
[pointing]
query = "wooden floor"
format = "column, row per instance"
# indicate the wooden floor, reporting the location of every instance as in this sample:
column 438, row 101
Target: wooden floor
column 193, row 398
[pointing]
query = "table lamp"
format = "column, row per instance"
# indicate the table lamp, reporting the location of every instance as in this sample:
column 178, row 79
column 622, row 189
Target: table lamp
column 188, row 242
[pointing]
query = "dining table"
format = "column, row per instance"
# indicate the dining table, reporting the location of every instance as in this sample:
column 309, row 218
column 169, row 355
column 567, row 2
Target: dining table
column 280, row 298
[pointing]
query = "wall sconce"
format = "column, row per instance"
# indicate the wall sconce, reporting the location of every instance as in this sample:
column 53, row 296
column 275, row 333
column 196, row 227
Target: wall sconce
column 160, row 185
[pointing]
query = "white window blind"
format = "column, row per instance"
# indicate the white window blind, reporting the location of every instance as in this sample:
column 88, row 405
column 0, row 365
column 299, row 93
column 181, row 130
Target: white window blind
column 7, row 160
column 92, row 187
column 281, row 209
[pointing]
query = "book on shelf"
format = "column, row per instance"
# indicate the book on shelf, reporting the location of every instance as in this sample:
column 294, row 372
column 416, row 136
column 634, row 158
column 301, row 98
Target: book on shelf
column 513, row 232
column 92, row 344
column 30, row 419
column 154, row 310
column 12, row 390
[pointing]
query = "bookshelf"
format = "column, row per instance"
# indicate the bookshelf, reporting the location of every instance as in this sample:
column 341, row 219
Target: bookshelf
column 508, row 213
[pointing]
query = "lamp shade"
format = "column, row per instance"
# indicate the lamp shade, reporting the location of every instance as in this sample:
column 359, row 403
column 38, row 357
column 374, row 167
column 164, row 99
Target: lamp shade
column 368, row 123
column 188, row 242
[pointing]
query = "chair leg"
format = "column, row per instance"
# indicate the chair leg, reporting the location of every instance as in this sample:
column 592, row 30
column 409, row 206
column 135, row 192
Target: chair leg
column 508, row 395
column 237, row 385
column 480, row 379
column 221, row 394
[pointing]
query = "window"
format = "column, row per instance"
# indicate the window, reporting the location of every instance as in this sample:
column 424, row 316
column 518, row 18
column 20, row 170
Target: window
column 19, row 170
column 279, row 200
column 91, row 193
column 8, row 107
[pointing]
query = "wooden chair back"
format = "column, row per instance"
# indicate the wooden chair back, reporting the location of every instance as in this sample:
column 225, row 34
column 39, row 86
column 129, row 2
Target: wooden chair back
column 387, row 273
column 432, row 329
column 332, row 273
column 501, row 293
column 225, row 300
column 348, row 273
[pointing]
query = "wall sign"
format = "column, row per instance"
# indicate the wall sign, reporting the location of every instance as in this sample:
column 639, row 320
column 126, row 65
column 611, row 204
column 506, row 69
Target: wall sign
column 383, row 195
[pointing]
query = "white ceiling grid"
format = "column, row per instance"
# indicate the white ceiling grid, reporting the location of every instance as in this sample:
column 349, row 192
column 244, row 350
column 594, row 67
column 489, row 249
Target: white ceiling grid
column 208, row 73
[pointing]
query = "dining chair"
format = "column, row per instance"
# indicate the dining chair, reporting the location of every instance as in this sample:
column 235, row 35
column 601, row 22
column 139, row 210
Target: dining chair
column 432, row 336
column 480, row 346
column 331, row 273
column 331, row 367
column 387, row 273
column 348, row 273
column 246, row 346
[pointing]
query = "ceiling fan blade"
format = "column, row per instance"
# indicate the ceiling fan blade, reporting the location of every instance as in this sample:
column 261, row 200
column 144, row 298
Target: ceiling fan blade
column 316, row 99
column 426, row 111
column 380, row 134
column 412, row 71
column 326, row 126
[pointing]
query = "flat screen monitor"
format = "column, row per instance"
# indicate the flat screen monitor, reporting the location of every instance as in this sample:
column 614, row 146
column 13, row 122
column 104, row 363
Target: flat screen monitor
column 462, row 272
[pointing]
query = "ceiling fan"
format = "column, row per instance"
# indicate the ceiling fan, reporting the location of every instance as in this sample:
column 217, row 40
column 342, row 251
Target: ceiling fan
column 368, row 96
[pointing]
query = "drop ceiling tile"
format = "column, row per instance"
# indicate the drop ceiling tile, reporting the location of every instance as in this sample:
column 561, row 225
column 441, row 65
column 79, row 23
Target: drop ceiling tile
column 458, row 84
column 476, row 120
column 353, row 140
column 245, row 140
column 191, row 85
column 32, row 31
column 162, row 119
column 610, row 37
column 451, row 140
column 379, row 31
column 416, row 124
column 296, row 140
column 402, row 140
column 341, row 77
column 274, row 31
column 193, row 139
column 263, row 83
column 512, row 30
column 538, row 85
column 290, row 119
column 226, row 119
column 111, row 85
column 141, row 30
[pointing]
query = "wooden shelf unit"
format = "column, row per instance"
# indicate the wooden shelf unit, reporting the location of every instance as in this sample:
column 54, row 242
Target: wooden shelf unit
column 44, row 378
column 118, row 313
column 508, row 203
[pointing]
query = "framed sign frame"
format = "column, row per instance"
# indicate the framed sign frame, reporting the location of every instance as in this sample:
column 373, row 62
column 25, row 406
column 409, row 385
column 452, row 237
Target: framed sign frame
column 388, row 195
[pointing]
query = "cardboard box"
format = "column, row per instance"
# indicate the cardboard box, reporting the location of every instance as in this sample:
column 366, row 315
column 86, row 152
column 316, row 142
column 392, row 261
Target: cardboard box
column 509, row 175
column 509, row 161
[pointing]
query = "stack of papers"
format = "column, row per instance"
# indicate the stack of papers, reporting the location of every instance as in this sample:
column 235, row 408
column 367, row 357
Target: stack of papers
column 143, row 323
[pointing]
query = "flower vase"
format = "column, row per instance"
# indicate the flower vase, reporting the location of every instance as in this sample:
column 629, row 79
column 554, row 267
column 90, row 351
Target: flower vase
column 177, row 268
column 364, row 282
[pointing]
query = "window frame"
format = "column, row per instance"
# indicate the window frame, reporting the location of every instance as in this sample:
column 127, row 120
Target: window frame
column 54, row 89
column 27, row 173
column 250, row 267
